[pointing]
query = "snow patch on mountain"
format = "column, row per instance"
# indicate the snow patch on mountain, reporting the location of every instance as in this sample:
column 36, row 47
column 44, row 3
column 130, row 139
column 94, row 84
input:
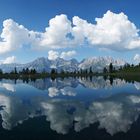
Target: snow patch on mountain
column 44, row 64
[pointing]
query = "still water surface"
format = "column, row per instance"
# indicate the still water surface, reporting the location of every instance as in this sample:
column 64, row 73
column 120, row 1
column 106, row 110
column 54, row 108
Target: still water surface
column 70, row 109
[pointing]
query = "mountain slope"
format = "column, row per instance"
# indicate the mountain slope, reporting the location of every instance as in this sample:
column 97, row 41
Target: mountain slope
column 44, row 64
column 98, row 63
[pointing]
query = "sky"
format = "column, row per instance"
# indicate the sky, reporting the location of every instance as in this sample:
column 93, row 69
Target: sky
column 69, row 29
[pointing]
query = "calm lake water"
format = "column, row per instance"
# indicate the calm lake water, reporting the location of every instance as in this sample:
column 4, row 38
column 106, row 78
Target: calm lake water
column 70, row 109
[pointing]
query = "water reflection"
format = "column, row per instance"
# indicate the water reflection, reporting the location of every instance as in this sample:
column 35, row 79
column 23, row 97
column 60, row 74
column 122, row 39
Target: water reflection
column 53, row 91
column 99, row 82
column 137, row 85
column 57, row 84
column 7, row 86
column 115, row 113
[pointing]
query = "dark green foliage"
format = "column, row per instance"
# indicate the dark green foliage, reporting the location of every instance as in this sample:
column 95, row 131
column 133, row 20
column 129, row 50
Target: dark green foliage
column 53, row 72
column 1, row 72
column 81, row 71
column 105, row 70
column 33, row 71
column 130, row 68
column 111, row 68
column 90, row 70
column 62, row 72
column 15, row 70
column 27, row 71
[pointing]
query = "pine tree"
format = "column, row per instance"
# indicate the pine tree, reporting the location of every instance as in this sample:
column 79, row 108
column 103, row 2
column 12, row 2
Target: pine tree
column 111, row 68
column 27, row 71
column 53, row 71
column 90, row 70
column 105, row 70
column 15, row 70
column 1, row 72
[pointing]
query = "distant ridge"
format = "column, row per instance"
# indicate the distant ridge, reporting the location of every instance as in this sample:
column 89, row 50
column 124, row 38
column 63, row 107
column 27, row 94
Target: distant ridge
column 44, row 64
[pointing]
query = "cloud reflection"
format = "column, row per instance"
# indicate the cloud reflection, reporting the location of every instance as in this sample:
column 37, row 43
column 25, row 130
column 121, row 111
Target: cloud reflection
column 8, row 86
column 114, row 114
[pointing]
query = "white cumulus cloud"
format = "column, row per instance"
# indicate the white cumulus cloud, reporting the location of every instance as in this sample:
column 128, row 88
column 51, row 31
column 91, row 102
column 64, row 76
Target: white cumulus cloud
column 67, row 54
column 112, row 31
column 13, row 36
column 52, row 55
column 55, row 35
column 8, row 60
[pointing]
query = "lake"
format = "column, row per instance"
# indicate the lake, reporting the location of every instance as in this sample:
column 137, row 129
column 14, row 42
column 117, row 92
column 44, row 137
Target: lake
column 99, row 108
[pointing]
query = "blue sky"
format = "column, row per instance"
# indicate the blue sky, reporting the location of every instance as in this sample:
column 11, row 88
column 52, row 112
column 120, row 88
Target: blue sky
column 35, row 15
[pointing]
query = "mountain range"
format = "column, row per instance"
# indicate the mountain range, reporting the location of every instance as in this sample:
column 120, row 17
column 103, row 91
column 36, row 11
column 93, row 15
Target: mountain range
column 44, row 64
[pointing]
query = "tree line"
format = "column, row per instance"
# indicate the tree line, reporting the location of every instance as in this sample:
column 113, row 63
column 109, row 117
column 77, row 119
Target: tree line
column 108, row 69
column 24, row 71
